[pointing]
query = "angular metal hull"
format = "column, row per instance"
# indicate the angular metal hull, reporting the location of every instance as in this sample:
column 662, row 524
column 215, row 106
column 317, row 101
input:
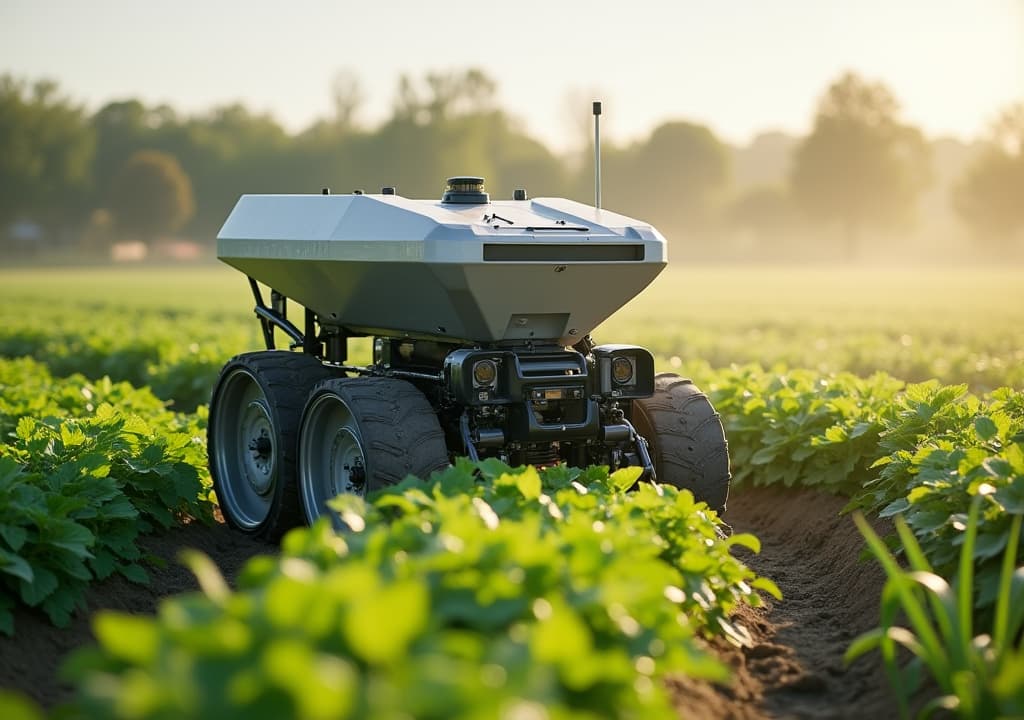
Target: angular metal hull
column 543, row 269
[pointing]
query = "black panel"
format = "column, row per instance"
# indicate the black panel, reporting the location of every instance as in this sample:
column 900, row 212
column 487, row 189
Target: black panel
column 535, row 252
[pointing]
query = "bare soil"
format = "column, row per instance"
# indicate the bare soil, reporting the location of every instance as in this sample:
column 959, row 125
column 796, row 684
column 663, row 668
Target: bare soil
column 830, row 595
column 794, row 670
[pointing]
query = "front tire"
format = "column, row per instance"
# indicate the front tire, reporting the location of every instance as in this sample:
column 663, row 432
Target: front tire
column 687, row 440
column 361, row 434
column 251, row 435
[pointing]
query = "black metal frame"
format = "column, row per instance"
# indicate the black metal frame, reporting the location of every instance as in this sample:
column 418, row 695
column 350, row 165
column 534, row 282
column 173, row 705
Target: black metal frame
column 313, row 343
column 275, row 316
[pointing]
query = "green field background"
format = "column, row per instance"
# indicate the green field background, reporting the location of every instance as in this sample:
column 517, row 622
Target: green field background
column 955, row 325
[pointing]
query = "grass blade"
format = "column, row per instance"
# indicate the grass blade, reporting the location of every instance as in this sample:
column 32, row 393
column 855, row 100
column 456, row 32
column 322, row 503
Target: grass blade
column 1001, row 637
column 934, row 653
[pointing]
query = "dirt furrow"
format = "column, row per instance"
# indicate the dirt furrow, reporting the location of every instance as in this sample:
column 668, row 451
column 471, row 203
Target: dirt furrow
column 830, row 596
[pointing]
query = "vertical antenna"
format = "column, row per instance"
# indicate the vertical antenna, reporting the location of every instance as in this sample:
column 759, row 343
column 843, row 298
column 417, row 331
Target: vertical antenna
column 597, row 154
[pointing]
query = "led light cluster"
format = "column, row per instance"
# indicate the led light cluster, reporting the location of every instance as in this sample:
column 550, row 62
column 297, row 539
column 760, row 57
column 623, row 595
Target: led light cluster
column 622, row 370
column 485, row 373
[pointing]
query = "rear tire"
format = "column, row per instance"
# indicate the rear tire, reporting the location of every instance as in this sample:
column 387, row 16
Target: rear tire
column 687, row 440
column 361, row 434
column 251, row 438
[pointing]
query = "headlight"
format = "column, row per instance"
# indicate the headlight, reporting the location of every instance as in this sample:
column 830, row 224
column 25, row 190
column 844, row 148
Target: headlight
column 485, row 373
column 622, row 370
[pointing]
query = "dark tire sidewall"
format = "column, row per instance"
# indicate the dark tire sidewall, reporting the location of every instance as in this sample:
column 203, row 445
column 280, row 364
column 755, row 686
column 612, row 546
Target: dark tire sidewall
column 284, row 378
column 687, row 440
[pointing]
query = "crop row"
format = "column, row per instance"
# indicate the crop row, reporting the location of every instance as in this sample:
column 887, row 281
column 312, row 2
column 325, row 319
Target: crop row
column 177, row 356
column 533, row 590
column 955, row 326
column 85, row 468
column 919, row 450
column 482, row 592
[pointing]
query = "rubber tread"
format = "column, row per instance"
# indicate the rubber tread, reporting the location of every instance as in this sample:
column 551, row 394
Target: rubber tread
column 286, row 379
column 400, row 432
column 686, row 437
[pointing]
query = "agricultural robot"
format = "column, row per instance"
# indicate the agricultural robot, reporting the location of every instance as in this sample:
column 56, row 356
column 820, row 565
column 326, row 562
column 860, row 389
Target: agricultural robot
column 480, row 312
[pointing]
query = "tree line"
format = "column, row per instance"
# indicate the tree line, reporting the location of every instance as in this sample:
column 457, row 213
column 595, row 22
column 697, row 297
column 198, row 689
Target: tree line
column 132, row 171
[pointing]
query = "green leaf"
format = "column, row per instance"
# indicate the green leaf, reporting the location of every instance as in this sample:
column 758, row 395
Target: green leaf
column 625, row 478
column 130, row 638
column 10, row 471
column 860, row 429
column 897, row 506
column 747, row 540
column 16, row 565
column 322, row 687
column 381, row 626
column 989, row 545
column 763, row 456
column 528, row 483
column 135, row 573
column 836, row 434
column 985, row 428
column 42, row 584
column 70, row 536
column 15, row 706
column 560, row 634
column 62, row 603
column 768, row 586
column 13, row 535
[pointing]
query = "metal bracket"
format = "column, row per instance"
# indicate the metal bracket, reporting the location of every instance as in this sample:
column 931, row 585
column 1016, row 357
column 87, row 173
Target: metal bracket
column 467, row 438
column 270, row 317
column 640, row 442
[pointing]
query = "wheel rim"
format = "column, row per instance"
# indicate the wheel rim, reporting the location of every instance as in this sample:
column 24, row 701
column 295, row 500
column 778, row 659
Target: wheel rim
column 245, row 450
column 332, row 460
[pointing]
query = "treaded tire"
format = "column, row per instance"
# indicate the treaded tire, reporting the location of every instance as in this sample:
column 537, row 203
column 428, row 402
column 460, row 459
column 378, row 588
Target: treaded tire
column 258, row 398
column 384, row 425
column 686, row 437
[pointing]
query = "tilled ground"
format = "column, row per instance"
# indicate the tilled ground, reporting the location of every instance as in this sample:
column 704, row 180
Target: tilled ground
column 795, row 669
column 830, row 595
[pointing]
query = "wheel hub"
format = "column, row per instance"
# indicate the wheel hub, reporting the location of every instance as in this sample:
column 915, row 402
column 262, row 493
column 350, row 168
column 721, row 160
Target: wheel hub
column 259, row 458
column 347, row 472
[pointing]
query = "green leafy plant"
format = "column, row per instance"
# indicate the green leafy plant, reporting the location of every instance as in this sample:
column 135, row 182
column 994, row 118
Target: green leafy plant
column 799, row 427
column 938, row 446
column 979, row 675
column 175, row 354
column 481, row 592
column 76, row 492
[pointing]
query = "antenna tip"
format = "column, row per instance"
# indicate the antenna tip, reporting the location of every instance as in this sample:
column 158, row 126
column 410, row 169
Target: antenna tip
column 597, row 107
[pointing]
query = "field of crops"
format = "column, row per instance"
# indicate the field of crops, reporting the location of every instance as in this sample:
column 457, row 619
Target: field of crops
column 523, row 594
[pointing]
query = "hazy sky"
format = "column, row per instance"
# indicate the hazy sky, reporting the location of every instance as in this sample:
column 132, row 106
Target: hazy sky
column 741, row 66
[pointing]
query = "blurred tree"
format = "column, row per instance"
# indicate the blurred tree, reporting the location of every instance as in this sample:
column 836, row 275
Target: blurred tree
column 766, row 210
column 681, row 174
column 47, row 146
column 444, row 95
column 229, row 151
column 860, row 167
column 347, row 98
column 764, row 224
column 123, row 128
column 151, row 196
column 522, row 162
column 989, row 197
column 764, row 161
column 443, row 126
